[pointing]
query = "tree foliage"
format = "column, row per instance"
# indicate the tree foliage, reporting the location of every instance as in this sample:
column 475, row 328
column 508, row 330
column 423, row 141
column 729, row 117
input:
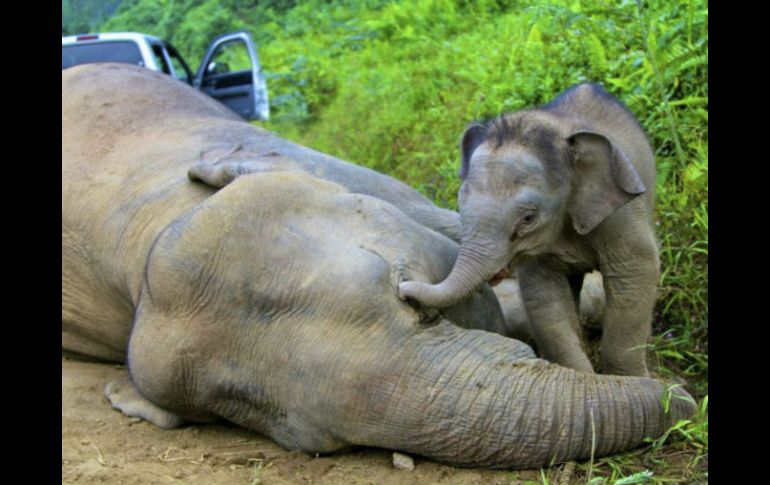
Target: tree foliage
column 82, row 16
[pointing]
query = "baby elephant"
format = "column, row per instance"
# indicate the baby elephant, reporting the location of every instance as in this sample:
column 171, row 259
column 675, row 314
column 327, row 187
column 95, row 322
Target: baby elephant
column 555, row 193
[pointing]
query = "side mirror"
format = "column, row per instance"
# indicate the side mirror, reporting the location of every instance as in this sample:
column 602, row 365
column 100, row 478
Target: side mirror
column 215, row 67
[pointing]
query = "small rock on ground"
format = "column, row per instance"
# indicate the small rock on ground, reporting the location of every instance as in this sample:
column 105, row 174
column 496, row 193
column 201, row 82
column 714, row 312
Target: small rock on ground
column 403, row 462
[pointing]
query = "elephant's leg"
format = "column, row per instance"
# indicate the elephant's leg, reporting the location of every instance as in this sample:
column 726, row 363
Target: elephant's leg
column 575, row 281
column 592, row 300
column 550, row 304
column 516, row 319
column 125, row 397
column 630, row 287
column 219, row 166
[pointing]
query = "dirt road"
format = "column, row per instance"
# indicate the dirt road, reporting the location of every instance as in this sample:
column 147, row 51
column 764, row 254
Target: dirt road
column 101, row 445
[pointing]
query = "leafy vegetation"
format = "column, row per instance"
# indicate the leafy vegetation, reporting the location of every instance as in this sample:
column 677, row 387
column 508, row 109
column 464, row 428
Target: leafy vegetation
column 82, row 16
column 392, row 84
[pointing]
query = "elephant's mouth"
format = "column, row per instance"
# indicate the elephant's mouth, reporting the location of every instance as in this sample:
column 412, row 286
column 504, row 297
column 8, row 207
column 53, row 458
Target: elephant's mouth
column 499, row 276
column 506, row 270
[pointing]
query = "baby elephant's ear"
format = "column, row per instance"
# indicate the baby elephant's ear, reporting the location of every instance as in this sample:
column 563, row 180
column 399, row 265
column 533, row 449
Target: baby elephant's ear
column 474, row 136
column 604, row 180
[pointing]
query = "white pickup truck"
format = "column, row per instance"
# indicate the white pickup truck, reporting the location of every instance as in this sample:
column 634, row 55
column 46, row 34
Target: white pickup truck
column 229, row 73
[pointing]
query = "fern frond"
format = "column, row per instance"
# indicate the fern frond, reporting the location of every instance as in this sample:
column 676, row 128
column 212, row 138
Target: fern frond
column 679, row 58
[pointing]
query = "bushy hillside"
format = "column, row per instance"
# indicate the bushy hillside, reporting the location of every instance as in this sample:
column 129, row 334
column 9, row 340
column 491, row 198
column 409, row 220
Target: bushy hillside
column 81, row 16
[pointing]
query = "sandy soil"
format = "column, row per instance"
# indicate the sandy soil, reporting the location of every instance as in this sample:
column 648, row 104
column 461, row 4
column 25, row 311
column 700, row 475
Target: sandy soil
column 101, row 445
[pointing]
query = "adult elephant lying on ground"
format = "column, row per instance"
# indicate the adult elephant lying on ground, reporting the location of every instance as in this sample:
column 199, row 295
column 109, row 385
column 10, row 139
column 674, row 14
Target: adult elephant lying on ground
column 272, row 303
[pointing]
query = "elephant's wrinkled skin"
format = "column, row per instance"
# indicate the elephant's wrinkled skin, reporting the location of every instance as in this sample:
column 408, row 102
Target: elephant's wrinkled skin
column 552, row 194
column 273, row 303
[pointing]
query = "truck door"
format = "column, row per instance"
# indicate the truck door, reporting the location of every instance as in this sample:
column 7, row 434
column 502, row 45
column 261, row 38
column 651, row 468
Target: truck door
column 230, row 73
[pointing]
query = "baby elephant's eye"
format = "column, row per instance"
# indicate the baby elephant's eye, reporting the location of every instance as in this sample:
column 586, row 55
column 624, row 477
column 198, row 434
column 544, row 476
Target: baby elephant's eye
column 527, row 218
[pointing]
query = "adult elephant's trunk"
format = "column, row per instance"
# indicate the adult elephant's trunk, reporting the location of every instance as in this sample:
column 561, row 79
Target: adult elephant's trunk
column 479, row 258
column 475, row 398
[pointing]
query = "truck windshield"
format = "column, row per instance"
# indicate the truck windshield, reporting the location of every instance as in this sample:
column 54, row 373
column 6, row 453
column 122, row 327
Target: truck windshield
column 123, row 51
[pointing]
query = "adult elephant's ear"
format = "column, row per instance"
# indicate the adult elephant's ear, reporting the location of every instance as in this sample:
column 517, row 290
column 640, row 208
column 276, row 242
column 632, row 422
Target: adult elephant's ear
column 474, row 136
column 604, row 179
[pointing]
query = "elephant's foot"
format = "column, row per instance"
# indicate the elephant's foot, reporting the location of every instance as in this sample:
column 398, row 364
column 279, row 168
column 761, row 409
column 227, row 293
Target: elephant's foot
column 125, row 397
column 624, row 368
column 576, row 360
column 622, row 357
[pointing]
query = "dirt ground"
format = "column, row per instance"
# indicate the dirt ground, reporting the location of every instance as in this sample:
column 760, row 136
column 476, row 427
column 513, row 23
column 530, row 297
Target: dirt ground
column 101, row 445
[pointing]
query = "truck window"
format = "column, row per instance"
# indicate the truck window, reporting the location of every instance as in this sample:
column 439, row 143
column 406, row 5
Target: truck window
column 120, row 51
column 181, row 71
column 160, row 59
column 229, row 57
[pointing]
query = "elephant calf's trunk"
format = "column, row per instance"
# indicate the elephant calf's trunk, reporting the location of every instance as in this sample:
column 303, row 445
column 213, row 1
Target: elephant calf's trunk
column 431, row 295
column 472, row 269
